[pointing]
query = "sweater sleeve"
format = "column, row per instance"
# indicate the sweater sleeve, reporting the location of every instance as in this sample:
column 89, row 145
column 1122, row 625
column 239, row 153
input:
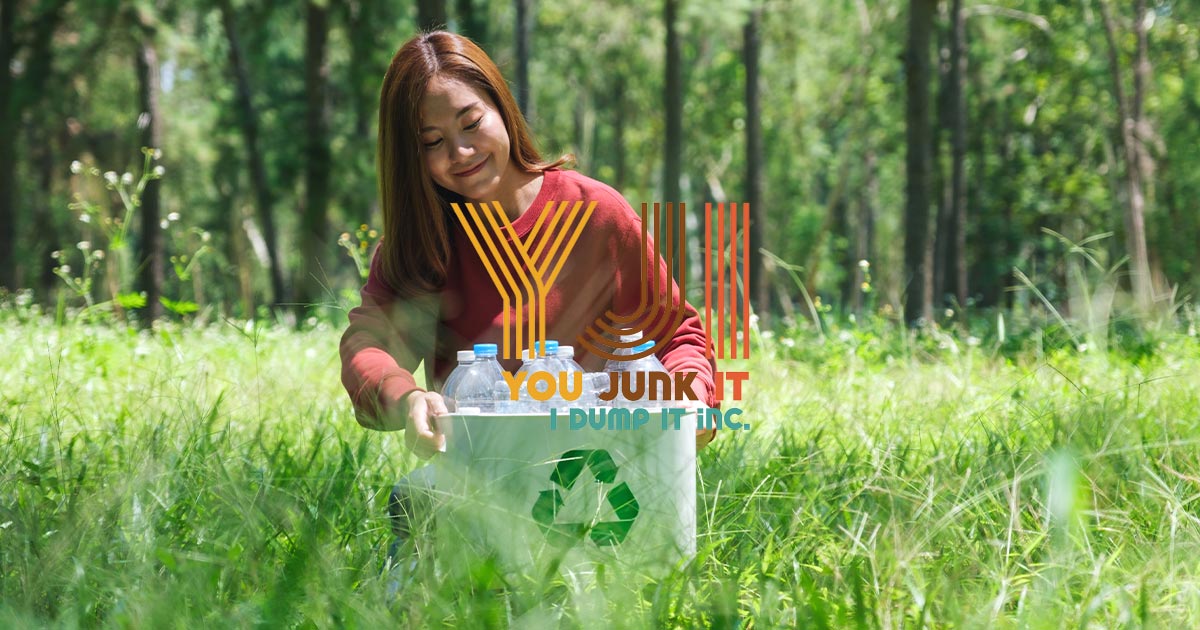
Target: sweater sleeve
column 685, row 347
column 379, row 351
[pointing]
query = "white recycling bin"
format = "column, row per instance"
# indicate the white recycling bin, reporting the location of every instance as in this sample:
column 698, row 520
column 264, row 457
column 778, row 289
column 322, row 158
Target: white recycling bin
column 537, row 500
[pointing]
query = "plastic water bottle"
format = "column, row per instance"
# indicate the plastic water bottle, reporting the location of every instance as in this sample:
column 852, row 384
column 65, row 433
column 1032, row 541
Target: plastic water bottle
column 486, row 355
column 566, row 358
column 500, row 396
column 469, row 388
column 466, row 358
column 600, row 381
column 647, row 365
column 566, row 354
column 539, row 362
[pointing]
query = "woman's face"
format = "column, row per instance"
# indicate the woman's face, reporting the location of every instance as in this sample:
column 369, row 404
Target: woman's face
column 464, row 139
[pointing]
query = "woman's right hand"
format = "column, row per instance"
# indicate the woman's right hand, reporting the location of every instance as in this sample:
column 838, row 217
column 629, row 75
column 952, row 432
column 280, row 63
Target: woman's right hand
column 420, row 427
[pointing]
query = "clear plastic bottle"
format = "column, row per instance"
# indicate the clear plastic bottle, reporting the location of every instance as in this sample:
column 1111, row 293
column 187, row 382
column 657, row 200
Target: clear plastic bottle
column 539, row 362
column 566, row 358
column 487, row 356
column 647, row 364
column 600, row 381
column 620, row 352
column 466, row 358
column 504, row 403
column 566, row 354
column 469, row 387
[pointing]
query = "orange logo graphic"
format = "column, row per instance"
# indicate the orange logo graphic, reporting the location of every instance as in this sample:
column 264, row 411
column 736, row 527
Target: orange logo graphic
column 524, row 270
column 727, row 301
column 655, row 317
column 531, row 270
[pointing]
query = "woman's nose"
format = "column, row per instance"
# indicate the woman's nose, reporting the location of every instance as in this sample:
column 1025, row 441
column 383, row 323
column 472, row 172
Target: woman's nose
column 462, row 149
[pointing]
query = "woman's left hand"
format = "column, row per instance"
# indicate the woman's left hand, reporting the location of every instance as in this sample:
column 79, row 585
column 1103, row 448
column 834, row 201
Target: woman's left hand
column 703, row 436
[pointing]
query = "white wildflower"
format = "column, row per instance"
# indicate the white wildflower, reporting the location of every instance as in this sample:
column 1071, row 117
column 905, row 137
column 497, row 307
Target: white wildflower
column 973, row 341
column 789, row 342
column 1083, row 347
column 99, row 254
column 110, row 177
column 85, row 218
column 127, row 179
column 84, row 245
column 158, row 154
column 174, row 216
column 56, row 254
column 949, row 313
column 864, row 264
column 76, row 167
column 159, row 171
column 205, row 237
column 164, row 224
column 65, row 268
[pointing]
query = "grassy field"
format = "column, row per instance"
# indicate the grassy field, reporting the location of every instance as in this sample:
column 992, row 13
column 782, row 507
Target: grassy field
column 215, row 477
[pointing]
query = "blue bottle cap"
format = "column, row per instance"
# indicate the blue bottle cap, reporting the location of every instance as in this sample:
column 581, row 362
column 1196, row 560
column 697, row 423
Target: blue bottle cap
column 641, row 347
column 486, row 350
column 551, row 347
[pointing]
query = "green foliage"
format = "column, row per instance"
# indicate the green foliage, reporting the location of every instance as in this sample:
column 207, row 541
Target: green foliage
column 886, row 476
column 360, row 248
column 98, row 222
column 1042, row 126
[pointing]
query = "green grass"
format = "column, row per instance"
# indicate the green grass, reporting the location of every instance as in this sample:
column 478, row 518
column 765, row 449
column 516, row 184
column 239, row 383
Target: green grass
column 215, row 477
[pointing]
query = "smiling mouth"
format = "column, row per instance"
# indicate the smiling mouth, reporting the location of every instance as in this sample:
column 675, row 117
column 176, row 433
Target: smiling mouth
column 473, row 170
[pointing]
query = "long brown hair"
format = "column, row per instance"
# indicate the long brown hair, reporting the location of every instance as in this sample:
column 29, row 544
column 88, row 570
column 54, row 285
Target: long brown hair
column 415, row 252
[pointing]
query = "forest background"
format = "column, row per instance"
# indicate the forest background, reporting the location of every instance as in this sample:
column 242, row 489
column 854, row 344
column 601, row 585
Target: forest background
column 993, row 141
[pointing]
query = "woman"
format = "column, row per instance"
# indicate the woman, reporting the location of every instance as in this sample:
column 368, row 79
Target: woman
column 450, row 132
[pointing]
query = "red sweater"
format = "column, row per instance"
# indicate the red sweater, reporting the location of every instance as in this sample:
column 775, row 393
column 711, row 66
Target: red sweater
column 388, row 337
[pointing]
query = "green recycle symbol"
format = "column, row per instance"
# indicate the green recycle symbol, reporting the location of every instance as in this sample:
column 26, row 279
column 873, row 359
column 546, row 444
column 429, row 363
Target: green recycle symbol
column 565, row 474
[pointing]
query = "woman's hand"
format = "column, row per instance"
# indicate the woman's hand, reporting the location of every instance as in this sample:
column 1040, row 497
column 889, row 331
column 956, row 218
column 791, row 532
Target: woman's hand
column 703, row 436
column 420, row 428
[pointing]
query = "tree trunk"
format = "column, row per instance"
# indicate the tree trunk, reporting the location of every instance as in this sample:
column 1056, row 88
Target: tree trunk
column 313, row 230
column 958, row 148
column 360, row 24
column 431, row 15
column 1143, row 134
column 1129, row 112
column 619, row 130
column 8, row 148
column 760, row 298
column 939, row 183
column 524, row 36
column 473, row 21
column 16, row 97
column 264, row 200
column 149, row 255
column 864, row 242
column 987, row 238
column 673, row 105
column 917, row 255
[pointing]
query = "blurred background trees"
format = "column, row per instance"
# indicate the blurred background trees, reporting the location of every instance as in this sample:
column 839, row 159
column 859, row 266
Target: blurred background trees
column 946, row 142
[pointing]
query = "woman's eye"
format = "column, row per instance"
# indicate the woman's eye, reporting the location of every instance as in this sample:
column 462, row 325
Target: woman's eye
column 430, row 145
column 476, row 123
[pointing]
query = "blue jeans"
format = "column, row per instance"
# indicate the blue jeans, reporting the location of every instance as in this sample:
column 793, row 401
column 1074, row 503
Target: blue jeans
column 410, row 506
